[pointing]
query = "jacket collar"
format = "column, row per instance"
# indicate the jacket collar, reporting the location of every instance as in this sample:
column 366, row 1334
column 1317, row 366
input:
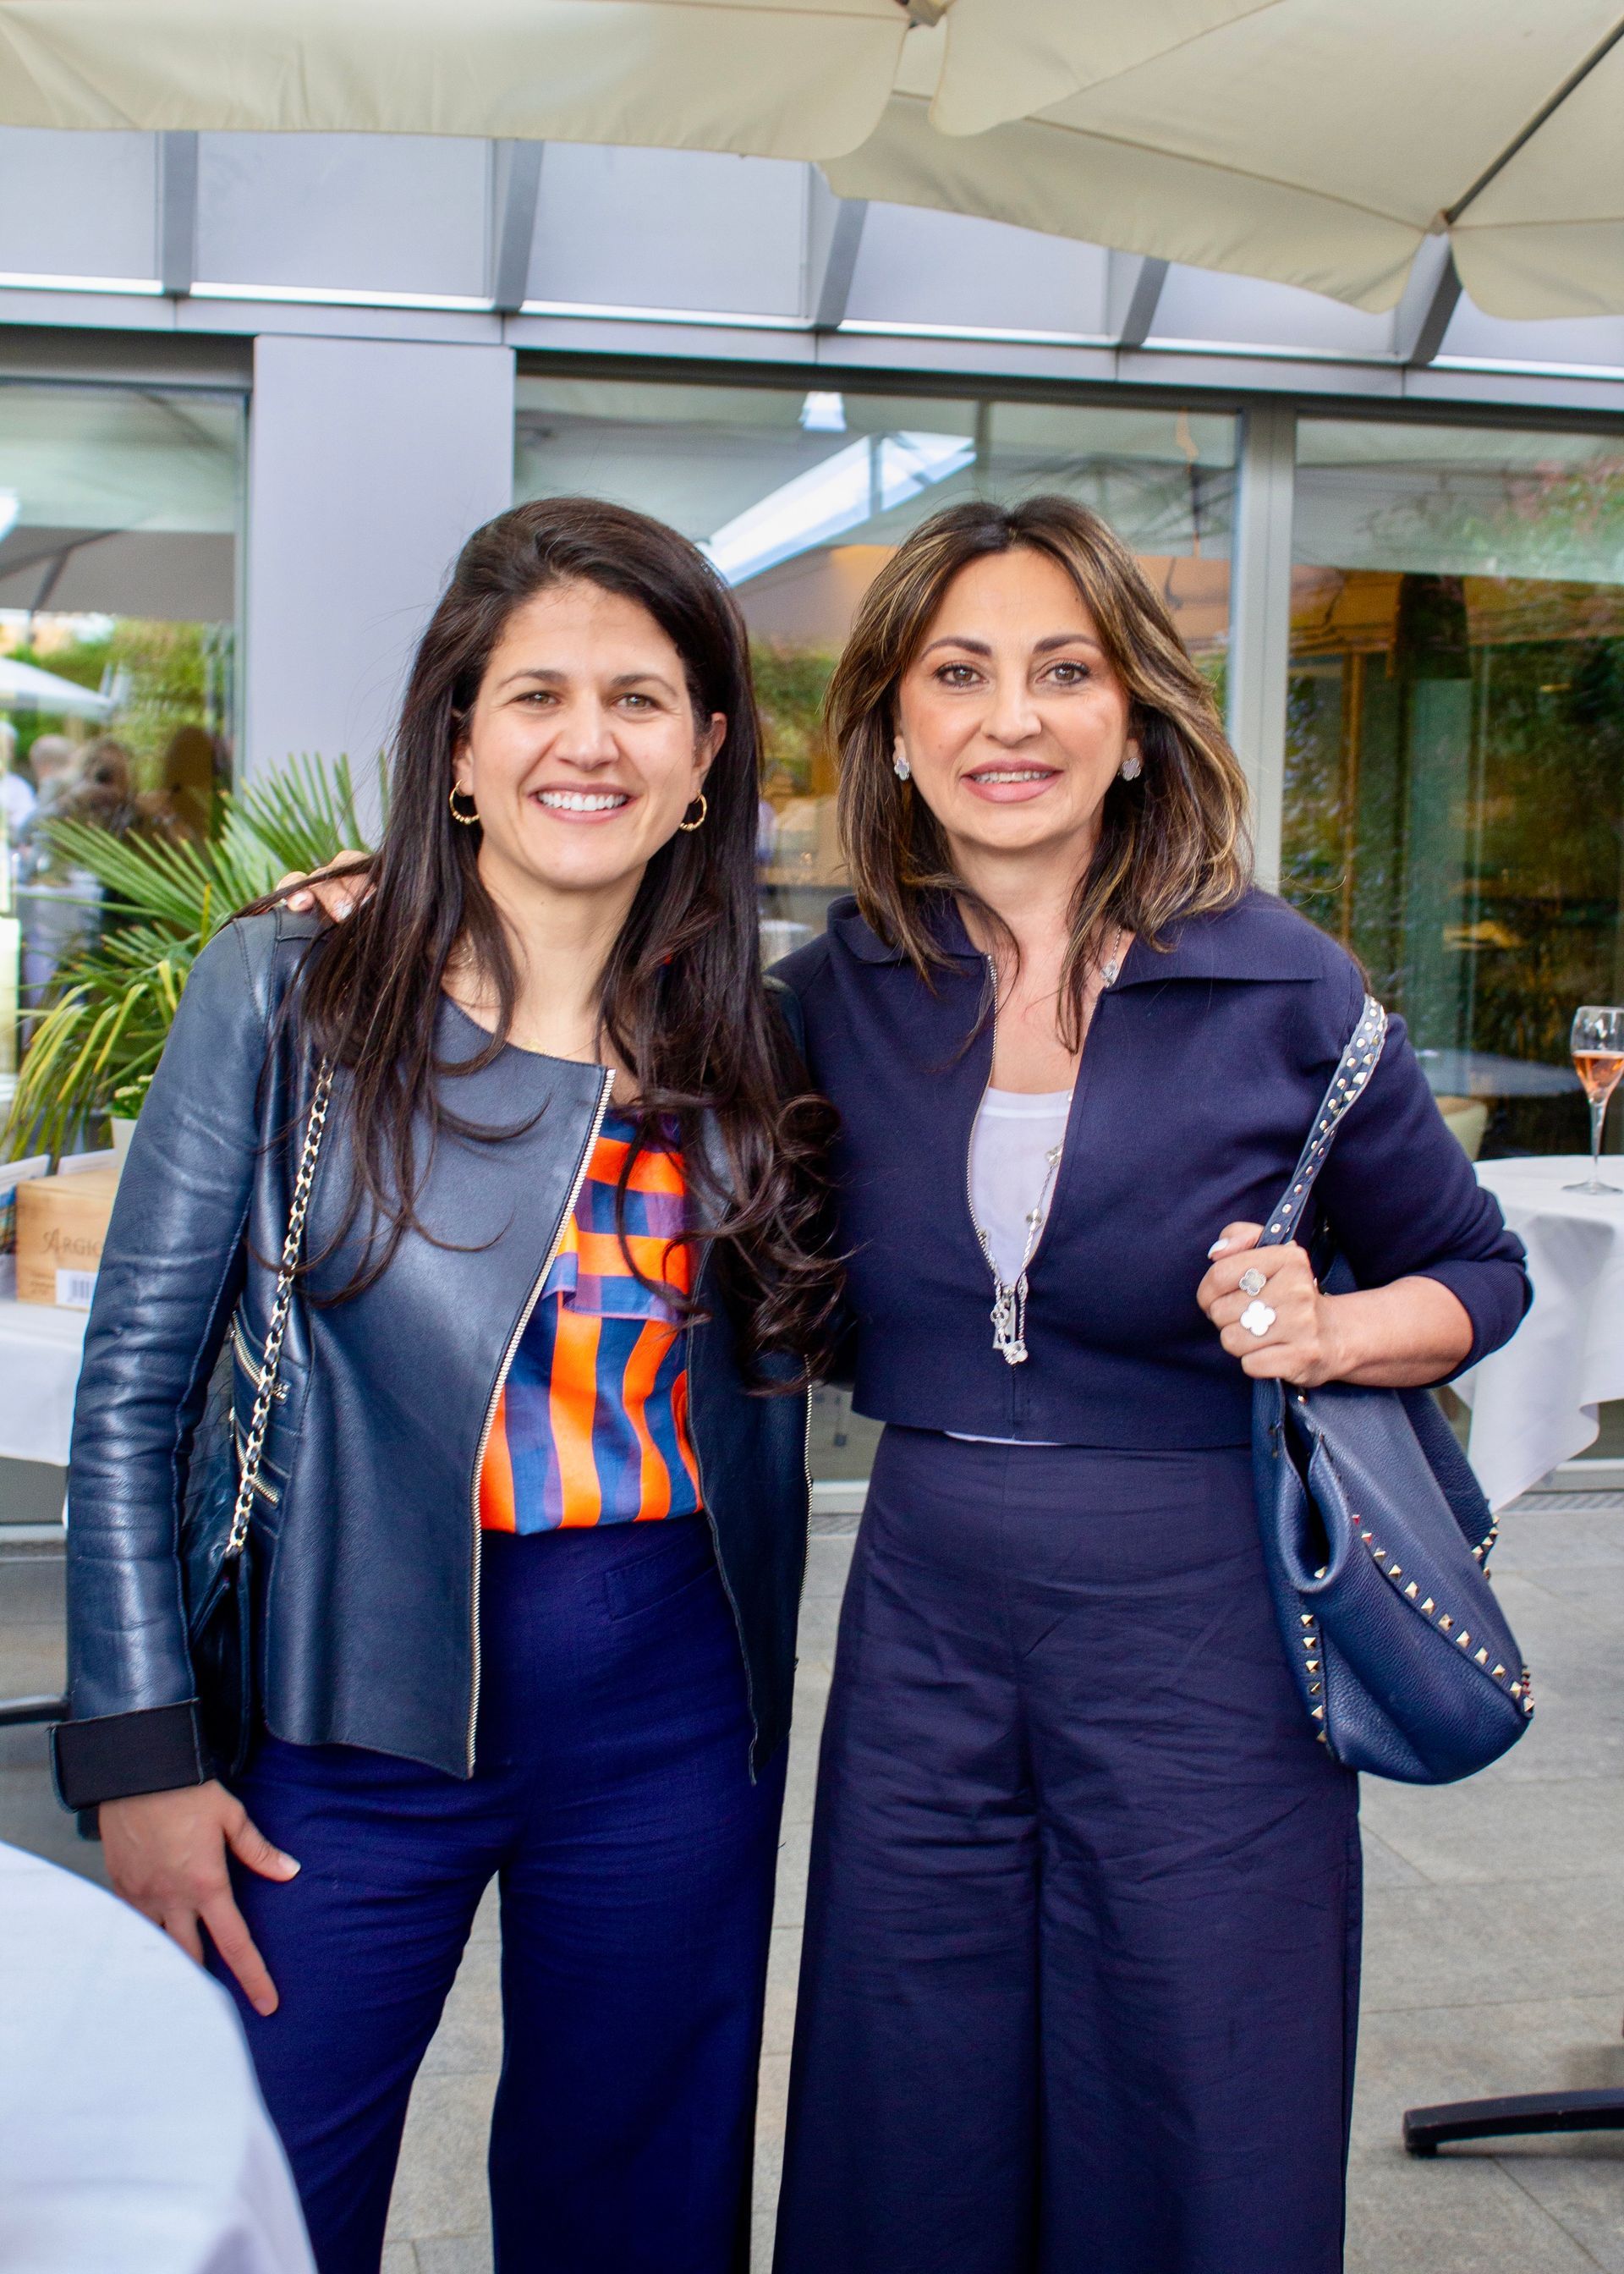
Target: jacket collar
column 858, row 936
column 1259, row 939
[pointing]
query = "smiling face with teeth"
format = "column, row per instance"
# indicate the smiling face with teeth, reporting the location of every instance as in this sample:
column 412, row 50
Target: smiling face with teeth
column 1012, row 717
column 583, row 752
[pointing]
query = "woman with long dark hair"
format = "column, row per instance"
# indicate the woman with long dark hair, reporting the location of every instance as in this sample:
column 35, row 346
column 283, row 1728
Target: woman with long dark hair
column 527, row 1516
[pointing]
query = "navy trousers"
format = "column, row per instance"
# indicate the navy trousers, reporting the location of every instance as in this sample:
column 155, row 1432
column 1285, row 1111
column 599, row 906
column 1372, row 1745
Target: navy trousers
column 1080, row 1972
column 613, row 1802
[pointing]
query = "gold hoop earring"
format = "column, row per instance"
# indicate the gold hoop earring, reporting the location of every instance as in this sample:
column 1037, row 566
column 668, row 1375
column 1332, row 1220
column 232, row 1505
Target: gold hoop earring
column 703, row 809
column 467, row 820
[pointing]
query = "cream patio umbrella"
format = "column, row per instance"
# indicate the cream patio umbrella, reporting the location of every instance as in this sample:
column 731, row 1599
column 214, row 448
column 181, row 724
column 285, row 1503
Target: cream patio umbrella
column 1316, row 142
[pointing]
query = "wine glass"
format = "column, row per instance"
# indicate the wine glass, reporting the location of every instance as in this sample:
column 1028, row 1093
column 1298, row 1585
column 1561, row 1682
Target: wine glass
column 1597, row 1046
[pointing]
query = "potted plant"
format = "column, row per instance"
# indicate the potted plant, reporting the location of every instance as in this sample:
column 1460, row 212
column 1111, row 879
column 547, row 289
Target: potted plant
column 95, row 1046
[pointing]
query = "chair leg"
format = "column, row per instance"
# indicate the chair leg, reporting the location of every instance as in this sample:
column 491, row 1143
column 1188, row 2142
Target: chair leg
column 1428, row 2130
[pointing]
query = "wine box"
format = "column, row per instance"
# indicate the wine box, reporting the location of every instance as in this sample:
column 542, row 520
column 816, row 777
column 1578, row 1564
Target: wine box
column 61, row 1224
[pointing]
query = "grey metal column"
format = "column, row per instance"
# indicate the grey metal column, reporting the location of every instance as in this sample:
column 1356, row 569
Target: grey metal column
column 1260, row 618
column 834, row 235
column 516, row 190
column 177, row 213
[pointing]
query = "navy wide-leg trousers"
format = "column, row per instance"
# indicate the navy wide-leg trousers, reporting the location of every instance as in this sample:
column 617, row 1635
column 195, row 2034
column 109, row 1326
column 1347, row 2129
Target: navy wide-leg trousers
column 1081, row 1974
column 613, row 1802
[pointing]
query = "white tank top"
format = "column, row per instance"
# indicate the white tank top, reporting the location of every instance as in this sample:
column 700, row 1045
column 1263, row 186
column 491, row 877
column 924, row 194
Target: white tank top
column 1010, row 1145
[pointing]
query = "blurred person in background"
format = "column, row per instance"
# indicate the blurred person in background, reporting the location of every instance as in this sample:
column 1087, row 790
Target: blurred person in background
column 17, row 792
column 102, row 790
column 182, row 804
column 54, row 759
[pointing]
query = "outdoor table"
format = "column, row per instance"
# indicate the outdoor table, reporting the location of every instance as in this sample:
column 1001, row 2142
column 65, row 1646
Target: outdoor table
column 1534, row 1402
column 39, row 1353
column 132, row 2131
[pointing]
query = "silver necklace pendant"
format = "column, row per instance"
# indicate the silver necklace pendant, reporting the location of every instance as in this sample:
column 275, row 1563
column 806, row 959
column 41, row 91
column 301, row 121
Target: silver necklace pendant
column 1007, row 1338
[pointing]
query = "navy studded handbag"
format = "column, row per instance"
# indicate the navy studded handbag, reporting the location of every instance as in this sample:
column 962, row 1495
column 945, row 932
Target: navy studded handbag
column 1376, row 1536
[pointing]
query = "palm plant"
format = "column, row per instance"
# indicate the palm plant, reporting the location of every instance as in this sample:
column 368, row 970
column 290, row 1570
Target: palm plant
column 94, row 1048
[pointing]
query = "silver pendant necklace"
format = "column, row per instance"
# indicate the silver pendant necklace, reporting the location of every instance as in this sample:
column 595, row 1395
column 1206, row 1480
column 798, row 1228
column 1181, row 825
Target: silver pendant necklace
column 1009, row 1301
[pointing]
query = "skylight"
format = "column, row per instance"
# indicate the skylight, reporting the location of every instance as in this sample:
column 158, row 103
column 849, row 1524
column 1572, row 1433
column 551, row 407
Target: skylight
column 866, row 478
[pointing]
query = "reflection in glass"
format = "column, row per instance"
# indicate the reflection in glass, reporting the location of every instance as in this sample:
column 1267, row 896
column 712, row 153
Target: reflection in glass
column 1455, row 782
column 119, row 512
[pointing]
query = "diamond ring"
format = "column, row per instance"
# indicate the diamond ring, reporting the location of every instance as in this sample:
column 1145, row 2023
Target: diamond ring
column 1252, row 1281
column 1257, row 1318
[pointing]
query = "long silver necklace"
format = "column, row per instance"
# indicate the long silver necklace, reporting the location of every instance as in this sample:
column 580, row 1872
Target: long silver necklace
column 1009, row 1299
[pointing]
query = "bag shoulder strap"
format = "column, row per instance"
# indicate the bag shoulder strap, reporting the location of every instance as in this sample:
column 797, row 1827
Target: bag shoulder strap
column 287, row 1271
column 1355, row 1068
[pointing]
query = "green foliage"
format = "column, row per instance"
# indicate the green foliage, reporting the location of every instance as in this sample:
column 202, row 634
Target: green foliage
column 173, row 675
column 790, row 686
column 95, row 1049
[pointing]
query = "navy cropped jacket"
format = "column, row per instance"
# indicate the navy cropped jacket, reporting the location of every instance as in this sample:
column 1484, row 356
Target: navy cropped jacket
column 366, row 1541
column 1204, row 1067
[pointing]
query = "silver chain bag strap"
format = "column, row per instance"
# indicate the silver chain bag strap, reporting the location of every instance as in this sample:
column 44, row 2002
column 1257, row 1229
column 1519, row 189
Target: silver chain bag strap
column 270, row 1361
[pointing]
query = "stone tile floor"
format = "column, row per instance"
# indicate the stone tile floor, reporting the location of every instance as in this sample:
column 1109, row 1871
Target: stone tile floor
column 1494, row 1955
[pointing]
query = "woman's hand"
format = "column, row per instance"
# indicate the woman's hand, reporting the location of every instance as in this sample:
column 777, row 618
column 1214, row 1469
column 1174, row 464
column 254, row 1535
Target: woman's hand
column 1300, row 1344
column 166, row 1855
column 1396, row 1337
column 338, row 898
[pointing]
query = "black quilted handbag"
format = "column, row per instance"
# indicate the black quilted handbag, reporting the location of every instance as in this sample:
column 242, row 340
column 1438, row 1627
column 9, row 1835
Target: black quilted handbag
column 1376, row 1536
column 222, row 1480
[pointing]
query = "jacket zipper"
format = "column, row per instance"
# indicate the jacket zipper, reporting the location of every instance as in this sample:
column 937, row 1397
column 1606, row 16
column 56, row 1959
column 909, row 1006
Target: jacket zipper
column 981, row 1237
column 606, row 1088
column 250, row 1364
column 267, row 1493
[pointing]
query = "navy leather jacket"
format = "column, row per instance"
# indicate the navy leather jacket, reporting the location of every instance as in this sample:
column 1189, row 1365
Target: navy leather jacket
column 1205, row 1065
column 366, row 1562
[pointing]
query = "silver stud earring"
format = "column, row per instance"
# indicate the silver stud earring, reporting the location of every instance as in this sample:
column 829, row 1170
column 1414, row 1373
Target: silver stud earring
column 1131, row 767
column 900, row 767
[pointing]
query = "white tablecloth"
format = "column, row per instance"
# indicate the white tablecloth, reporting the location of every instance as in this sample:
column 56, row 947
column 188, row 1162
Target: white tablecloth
column 39, row 1353
column 1533, row 1402
column 132, row 2136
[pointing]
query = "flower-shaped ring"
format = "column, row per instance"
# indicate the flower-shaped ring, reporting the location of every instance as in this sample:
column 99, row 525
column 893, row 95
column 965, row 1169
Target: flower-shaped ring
column 1257, row 1318
column 1252, row 1281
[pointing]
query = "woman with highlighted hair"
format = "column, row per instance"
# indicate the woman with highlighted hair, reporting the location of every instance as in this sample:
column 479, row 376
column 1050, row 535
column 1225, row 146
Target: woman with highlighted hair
column 1081, row 1961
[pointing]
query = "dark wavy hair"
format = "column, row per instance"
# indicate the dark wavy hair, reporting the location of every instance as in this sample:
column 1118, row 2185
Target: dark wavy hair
column 1172, row 843
column 683, row 1000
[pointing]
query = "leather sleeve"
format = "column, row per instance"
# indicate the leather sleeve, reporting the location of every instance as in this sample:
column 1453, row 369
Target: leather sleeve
column 170, row 1271
column 1402, row 1201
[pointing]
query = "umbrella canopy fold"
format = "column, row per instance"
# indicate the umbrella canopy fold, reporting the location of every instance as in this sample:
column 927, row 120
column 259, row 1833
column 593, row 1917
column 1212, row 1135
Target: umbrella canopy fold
column 1312, row 142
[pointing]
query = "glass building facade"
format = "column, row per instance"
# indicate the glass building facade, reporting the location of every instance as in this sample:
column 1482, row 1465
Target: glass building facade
column 1454, row 795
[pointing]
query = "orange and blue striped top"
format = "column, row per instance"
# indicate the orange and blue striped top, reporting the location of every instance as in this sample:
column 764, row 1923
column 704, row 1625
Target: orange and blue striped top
column 591, row 1425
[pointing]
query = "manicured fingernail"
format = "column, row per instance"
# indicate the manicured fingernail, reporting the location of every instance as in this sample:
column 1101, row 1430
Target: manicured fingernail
column 293, row 1868
column 1218, row 1248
